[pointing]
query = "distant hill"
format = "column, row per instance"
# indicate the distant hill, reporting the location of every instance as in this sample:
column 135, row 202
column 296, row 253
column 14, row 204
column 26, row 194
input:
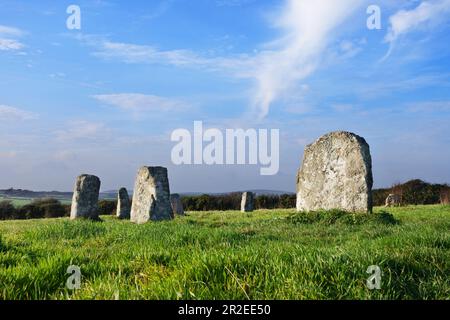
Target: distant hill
column 109, row 194
column 28, row 194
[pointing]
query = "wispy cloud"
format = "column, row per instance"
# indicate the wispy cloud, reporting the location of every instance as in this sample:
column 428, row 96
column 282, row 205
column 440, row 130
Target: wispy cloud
column 307, row 30
column 8, row 113
column 427, row 13
column 83, row 130
column 429, row 106
column 10, row 45
column 131, row 53
column 7, row 38
column 141, row 105
column 11, row 31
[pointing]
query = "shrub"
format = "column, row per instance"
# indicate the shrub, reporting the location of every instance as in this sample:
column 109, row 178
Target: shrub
column 7, row 210
column 232, row 201
column 42, row 208
column 414, row 192
column 107, row 207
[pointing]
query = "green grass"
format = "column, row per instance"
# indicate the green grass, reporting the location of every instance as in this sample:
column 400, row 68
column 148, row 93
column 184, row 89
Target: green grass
column 269, row 254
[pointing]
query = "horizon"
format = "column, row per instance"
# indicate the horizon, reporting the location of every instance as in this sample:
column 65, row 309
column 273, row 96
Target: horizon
column 130, row 190
column 105, row 98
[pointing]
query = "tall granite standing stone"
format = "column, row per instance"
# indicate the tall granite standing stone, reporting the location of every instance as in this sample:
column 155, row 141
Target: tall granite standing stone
column 248, row 202
column 123, row 204
column 177, row 205
column 85, row 198
column 336, row 174
column 151, row 196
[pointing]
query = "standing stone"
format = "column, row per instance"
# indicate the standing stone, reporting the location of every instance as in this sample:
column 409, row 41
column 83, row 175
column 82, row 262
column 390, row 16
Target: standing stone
column 393, row 200
column 177, row 205
column 151, row 196
column 248, row 202
column 85, row 198
column 336, row 174
column 123, row 204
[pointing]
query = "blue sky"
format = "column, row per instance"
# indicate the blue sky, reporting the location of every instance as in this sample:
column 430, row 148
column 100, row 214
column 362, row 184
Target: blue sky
column 105, row 99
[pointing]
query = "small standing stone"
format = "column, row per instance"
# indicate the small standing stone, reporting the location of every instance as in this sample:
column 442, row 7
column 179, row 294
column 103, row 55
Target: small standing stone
column 123, row 204
column 177, row 205
column 248, row 202
column 151, row 196
column 85, row 198
column 393, row 200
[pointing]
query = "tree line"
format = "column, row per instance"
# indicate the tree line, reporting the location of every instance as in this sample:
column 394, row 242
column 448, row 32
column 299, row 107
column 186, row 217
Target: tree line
column 414, row 192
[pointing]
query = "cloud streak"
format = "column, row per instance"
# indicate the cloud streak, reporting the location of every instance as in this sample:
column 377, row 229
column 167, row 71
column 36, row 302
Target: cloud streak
column 7, row 41
column 8, row 113
column 405, row 21
column 307, row 30
column 140, row 105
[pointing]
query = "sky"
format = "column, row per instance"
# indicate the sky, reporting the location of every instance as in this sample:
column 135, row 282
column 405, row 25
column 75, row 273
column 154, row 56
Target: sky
column 104, row 99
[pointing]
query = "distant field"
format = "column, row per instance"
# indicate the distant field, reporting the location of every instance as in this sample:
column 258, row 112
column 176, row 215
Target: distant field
column 18, row 202
column 268, row 254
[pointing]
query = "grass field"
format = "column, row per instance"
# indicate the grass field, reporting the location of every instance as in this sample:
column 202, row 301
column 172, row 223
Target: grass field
column 19, row 202
column 230, row 255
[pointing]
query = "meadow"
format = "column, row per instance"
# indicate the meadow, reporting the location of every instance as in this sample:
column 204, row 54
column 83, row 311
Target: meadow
column 266, row 254
column 19, row 201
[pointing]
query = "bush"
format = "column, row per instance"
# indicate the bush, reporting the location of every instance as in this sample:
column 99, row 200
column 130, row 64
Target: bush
column 414, row 192
column 232, row 201
column 107, row 207
column 43, row 208
column 7, row 210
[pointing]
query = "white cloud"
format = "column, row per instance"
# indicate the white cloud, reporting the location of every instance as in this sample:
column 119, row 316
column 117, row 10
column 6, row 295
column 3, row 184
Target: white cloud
column 427, row 13
column 146, row 54
column 10, row 45
column 7, row 41
column 307, row 27
column 8, row 113
column 307, row 30
column 140, row 104
column 84, row 130
column 132, row 53
column 11, row 31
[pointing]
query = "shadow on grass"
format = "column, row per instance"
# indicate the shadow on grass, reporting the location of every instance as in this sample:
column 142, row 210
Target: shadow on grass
column 329, row 217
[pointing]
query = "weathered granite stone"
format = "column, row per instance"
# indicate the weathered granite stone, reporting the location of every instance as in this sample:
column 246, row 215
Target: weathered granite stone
column 123, row 204
column 336, row 174
column 85, row 198
column 393, row 200
column 151, row 196
column 248, row 202
column 177, row 205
